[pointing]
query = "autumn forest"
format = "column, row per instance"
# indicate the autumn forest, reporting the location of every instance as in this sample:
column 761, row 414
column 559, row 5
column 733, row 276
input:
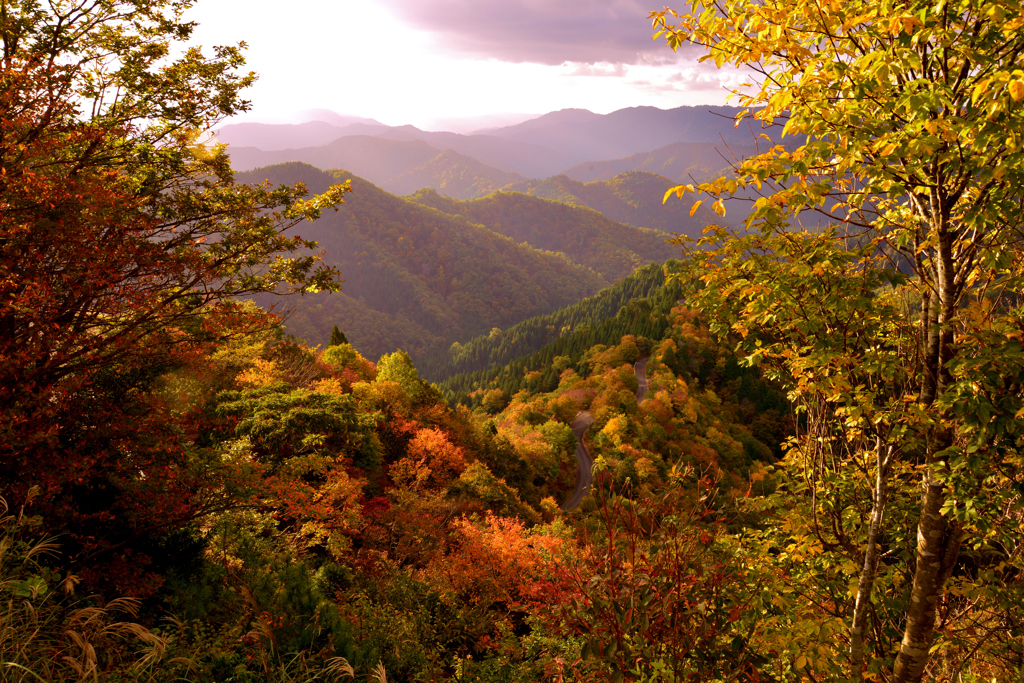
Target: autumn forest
column 703, row 394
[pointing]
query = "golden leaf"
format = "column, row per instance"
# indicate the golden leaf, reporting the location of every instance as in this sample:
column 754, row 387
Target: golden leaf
column 1017, row 90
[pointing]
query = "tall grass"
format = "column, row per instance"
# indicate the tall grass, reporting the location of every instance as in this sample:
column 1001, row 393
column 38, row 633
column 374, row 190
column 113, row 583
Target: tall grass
column 47, row 633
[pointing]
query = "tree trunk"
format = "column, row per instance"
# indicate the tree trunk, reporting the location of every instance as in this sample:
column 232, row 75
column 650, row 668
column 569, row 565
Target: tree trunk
column 938, row 545
column 879, row 498
column 938, row 538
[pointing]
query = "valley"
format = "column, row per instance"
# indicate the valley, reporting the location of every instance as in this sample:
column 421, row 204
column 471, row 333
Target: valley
column 445, row 237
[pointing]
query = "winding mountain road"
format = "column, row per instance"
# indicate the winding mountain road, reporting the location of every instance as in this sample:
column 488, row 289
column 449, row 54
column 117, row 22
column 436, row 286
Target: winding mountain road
column 584, row 463
column 640, row 370
column 580, row 424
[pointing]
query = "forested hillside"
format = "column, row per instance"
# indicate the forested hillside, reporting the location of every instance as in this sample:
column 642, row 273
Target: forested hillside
column 633, row 197
column 583, row 235
column 701, row 408
column 572, row 327
column 640, row 306
column 438, row 278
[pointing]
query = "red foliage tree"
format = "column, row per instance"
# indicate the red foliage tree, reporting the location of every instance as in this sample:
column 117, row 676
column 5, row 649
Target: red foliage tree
column 121, row 241
column 653, row 594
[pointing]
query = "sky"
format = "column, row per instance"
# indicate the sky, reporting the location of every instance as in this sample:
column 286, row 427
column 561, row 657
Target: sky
column 455, row 64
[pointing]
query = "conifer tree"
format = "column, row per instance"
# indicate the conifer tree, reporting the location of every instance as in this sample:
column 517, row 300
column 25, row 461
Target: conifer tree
column 337, row 337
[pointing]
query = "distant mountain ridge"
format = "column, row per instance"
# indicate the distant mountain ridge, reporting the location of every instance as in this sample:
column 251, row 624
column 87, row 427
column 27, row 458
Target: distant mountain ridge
column 278, row 136
column 538, row 148
column 454, row 175
column 373, row 158
column 627, row 131
column 509, row 156
column 398, row 166
column 404, row 167
column 634, row 197
column 626, row 169
column 678, row 162
column 562, row 116
column 584, row 235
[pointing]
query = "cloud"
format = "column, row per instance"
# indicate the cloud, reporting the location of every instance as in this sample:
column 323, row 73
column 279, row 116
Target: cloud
column 696, row 78
column 550, row 32
column 686, row 81
column 600, row 69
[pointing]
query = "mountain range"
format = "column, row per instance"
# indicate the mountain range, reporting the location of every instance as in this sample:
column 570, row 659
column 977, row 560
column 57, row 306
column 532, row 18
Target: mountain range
column 489, row 233
column 584, row 235
column 419, row 278
column 680, row 162
column 538, row 148
column 509, row 156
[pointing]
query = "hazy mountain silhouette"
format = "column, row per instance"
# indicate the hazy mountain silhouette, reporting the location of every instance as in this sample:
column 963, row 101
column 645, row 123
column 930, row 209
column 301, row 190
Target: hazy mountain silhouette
column 537, row 148
column 629, row 131
column 398, row 166
column 678, row 162
column 378, row 160
column 333, row 118
column 560, row 117
column 278, row 136
column 634, row 197
column 509, row 156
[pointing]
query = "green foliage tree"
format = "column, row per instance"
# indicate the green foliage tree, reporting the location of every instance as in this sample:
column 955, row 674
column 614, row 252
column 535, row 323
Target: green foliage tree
column 898, row 331
column 337, row 337
column 282, row 424
column 398, row 367
column 494, row 400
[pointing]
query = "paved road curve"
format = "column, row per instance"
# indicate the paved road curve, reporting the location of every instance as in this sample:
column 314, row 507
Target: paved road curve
column 584, row 464
column 582, row 422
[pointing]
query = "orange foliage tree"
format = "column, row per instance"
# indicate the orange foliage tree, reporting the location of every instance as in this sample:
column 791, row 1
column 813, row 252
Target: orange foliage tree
column 120, row 241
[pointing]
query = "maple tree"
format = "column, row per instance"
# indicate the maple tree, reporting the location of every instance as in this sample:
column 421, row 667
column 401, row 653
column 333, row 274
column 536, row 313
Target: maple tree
column 652, row 592
column 431, row 459
column 895, row 323
column 119, row 229
column 122, row 240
